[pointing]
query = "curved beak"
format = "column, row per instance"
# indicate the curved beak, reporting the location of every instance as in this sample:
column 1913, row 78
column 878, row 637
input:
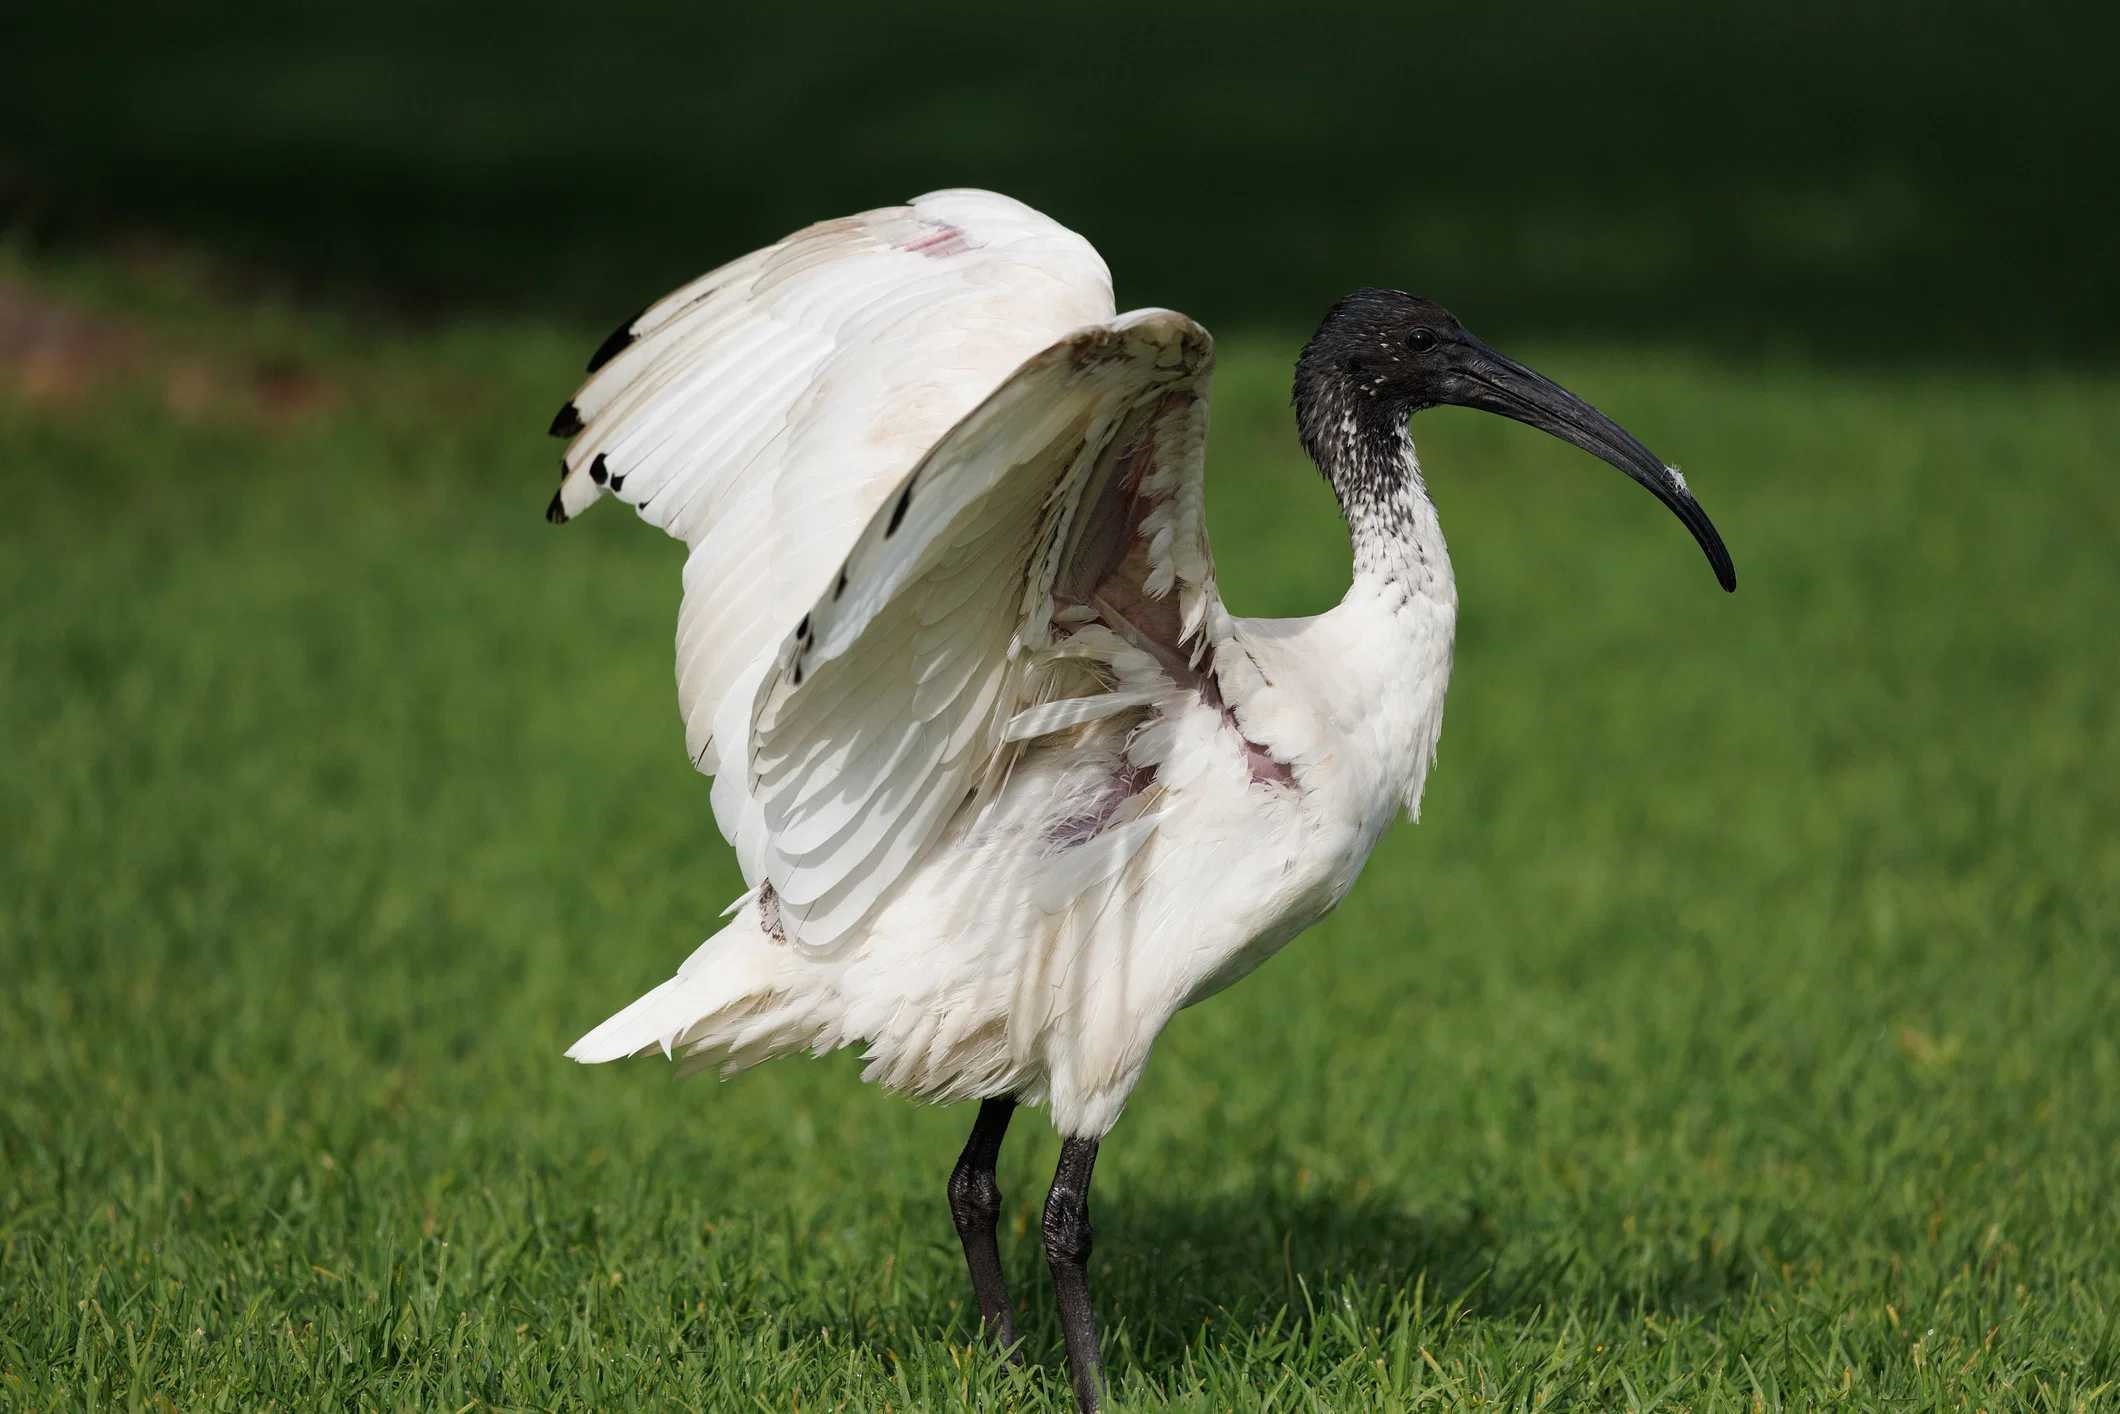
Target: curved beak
column 1492, row 383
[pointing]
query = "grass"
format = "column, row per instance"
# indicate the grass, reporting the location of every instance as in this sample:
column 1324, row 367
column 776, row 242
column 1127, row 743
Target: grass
column 1736, row 1031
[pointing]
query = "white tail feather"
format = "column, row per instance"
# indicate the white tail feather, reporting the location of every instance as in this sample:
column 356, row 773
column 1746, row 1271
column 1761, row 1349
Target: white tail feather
column 725, row 981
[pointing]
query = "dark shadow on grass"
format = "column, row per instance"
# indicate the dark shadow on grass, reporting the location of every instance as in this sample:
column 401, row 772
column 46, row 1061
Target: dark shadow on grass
column 1170, row 1268
column 1172, row 1273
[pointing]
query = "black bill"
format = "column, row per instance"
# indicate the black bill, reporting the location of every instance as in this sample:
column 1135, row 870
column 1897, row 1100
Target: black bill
column 1492, row 383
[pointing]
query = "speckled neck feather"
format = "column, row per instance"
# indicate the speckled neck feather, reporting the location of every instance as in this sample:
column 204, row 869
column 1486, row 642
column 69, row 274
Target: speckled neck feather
column 1365, row 450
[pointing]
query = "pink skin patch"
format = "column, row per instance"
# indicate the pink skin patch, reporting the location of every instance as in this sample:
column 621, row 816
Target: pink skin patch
column 1116, row 577
column 1266, row 768
column 941, row 241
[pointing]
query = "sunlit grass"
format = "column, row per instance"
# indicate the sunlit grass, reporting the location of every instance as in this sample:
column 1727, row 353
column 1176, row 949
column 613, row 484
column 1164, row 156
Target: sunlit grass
column 1737, row 1025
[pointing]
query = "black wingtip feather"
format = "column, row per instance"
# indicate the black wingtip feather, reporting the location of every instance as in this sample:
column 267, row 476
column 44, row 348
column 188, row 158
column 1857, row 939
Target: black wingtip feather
column 615, row 345
column 566, row 422
column 557, row 511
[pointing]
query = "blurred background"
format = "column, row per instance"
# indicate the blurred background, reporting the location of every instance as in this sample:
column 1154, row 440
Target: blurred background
column 1736, row 1024
column 1859, row 180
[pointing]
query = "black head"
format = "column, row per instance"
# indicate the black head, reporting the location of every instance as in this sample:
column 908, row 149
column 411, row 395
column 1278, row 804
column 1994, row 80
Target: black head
column 1390, row 349
column 1382, row 355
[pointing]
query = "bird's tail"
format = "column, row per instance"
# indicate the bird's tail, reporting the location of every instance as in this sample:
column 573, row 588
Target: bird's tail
column 729, row 1004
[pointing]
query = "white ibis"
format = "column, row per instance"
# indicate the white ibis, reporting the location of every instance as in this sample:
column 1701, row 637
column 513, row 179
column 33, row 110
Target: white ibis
column 1008, row 783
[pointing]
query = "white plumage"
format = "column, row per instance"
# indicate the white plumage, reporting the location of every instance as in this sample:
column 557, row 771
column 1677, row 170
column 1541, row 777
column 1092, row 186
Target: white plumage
column 1008, row 784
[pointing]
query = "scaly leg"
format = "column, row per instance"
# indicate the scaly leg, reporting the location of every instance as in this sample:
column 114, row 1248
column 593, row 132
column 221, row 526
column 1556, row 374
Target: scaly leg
column 1067, row 1243
column 975, row 1206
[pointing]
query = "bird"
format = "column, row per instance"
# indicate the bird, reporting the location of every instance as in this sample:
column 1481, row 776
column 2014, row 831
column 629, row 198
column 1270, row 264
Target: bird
column 1007, row 783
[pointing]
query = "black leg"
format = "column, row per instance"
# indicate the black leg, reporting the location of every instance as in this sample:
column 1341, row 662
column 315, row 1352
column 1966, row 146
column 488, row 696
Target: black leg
column 1067, row 1242
column 975, row 1206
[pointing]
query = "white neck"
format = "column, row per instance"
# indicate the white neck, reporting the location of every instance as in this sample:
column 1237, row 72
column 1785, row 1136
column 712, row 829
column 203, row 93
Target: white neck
column 1360, row 688
column 1391, row 522
column 1397, row 625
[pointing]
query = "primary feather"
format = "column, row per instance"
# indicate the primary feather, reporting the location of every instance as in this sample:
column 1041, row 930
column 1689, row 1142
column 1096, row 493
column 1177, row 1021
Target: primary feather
column 1007, row 784
column 762, row 413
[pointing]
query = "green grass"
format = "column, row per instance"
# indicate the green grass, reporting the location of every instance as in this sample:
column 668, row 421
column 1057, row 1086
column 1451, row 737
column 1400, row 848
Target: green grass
column 1736, row 1031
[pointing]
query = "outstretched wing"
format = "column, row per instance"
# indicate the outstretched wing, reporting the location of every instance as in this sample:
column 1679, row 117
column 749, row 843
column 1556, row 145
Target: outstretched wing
column 762, row 413
column 1060, row 519
column 938, row 503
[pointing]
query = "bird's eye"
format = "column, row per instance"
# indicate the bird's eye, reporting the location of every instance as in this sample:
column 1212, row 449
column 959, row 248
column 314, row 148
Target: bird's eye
column 1421, row 340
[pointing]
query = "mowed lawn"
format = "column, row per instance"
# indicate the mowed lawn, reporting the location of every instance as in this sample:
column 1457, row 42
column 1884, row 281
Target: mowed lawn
column 1737, row 1030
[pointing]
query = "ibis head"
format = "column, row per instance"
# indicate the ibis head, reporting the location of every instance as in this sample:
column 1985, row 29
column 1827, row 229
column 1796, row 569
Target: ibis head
column 1383, row 355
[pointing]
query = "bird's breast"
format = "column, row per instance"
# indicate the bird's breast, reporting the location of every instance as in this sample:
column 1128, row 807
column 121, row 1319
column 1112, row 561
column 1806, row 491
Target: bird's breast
column 1256, row 861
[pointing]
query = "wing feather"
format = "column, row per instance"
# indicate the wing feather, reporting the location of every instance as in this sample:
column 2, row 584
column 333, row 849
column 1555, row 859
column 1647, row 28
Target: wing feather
column 762, row 412
column 911, row 453
column 913, row 672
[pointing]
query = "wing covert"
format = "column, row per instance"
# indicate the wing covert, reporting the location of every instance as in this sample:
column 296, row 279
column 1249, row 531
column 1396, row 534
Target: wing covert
column 892, row 699
column 938, row 502
column 762, row 412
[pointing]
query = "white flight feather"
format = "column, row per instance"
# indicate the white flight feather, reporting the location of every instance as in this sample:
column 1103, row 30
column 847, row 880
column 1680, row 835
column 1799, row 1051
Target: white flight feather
column 1002, row 830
